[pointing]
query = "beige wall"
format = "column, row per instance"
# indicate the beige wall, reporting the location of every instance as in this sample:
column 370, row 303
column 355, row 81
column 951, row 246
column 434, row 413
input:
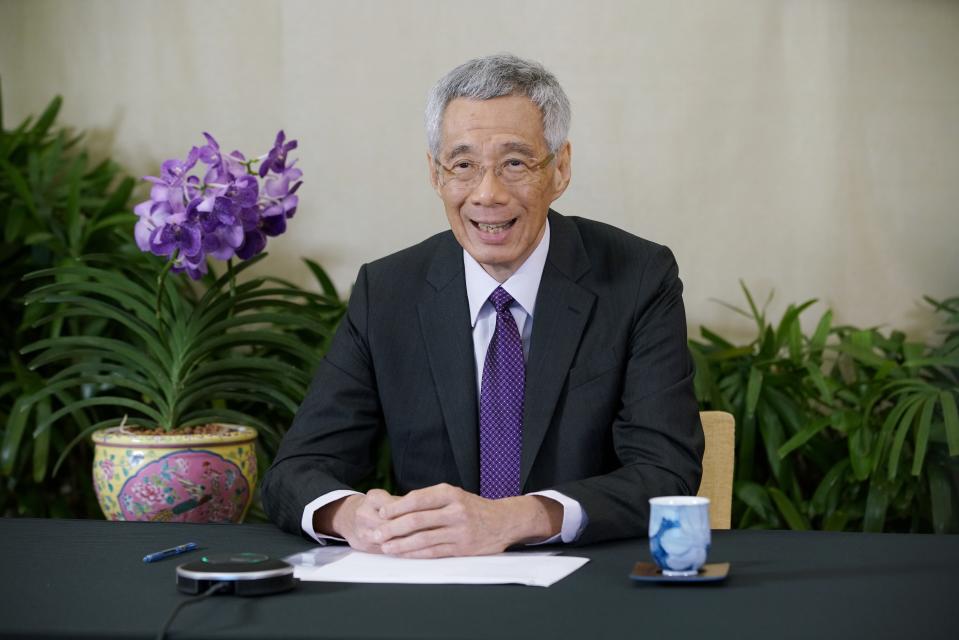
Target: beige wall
column 807, row 146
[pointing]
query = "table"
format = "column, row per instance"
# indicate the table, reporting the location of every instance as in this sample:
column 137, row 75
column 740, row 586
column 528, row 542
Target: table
column 75, row 578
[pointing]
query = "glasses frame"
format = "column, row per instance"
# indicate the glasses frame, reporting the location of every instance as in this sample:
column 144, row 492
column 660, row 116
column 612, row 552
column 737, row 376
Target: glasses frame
column 449, row 178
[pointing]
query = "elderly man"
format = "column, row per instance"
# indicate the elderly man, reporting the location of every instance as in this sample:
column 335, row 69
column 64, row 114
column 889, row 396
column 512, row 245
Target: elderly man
column 530, row 369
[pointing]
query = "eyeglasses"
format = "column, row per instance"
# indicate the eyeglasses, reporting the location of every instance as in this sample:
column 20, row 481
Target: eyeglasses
column 465, row 174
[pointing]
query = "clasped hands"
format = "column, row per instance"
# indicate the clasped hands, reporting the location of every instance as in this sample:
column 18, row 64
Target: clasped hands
column 438, row 521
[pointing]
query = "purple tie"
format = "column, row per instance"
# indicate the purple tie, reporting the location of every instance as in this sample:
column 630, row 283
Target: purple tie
column 501, row 405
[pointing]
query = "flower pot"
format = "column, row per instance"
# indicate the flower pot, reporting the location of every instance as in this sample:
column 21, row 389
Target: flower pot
column 198, row 477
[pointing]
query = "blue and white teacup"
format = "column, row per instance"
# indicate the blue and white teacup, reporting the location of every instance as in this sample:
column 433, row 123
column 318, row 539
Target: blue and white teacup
column 679, row 533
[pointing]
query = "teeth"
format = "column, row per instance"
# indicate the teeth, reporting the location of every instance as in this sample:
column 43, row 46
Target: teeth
column 493, row 228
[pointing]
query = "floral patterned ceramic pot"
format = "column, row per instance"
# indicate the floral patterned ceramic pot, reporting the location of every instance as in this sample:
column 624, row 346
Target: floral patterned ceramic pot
column 175, row 477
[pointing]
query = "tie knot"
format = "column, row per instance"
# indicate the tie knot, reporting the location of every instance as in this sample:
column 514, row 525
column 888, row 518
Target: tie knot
column 500, row 299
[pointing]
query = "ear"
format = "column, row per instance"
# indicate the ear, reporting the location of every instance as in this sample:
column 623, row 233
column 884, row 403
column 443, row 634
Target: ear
column 434, row 172
column 563, row 171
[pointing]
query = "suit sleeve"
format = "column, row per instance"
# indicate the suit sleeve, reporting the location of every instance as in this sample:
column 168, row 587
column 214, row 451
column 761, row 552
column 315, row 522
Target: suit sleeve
column 657, row 435
column 330, row 444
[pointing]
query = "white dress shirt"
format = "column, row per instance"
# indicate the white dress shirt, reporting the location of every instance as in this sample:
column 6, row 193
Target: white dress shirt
column 523, row 286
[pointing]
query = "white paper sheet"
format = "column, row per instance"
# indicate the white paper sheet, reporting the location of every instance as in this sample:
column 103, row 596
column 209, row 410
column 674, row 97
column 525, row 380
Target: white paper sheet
column 342, row 564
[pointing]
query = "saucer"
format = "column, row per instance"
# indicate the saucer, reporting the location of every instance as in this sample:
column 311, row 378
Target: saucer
column 649, row 572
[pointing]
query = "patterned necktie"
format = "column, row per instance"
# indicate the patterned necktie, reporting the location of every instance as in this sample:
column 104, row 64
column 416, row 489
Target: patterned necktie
column 501, row 405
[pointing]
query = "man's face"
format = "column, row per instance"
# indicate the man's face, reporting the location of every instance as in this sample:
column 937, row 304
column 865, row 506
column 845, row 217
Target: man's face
column 497, row 219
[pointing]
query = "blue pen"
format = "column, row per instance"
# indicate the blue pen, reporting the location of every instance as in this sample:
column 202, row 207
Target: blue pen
column 172, row 551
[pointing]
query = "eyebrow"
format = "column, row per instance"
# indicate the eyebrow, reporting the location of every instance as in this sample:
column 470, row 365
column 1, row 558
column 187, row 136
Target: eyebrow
column 459, row 150
column 515, row 147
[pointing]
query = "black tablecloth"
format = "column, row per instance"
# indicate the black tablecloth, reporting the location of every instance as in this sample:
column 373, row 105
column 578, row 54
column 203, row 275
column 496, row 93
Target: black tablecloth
column 74, row 579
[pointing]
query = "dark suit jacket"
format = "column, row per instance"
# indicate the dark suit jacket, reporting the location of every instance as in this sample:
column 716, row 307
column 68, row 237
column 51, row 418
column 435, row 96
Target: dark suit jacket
column 610, row 415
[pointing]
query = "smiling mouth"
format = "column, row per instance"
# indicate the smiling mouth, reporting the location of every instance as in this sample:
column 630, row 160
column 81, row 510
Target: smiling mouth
column 493, row 228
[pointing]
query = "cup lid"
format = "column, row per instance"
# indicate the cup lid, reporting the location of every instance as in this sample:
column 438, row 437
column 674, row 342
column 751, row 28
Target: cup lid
column 680, row 501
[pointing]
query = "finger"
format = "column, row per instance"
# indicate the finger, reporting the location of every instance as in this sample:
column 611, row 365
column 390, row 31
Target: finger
column 378, row 497
column 366, row 547
column 416, row 542
column 411, row 523
column 444, row 550
column 434, row 497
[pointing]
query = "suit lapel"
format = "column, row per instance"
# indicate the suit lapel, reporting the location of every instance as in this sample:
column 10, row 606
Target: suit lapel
column 562, row 312
column 445, row 322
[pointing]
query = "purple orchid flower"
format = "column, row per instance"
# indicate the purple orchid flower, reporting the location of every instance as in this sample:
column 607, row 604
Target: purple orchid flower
column 194, row 266
column 176, row 234
column 254, row 242
column 226, row 213
column 276, row 159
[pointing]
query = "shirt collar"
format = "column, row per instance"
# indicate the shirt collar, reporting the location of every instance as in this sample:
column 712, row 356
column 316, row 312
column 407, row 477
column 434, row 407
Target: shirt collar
column 522, row 285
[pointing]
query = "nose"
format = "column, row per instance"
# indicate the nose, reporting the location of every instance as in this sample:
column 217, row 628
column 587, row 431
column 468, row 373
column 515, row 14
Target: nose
column 490, row 190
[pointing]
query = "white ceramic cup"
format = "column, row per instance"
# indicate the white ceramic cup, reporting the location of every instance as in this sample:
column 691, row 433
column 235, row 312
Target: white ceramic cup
column 679, row 534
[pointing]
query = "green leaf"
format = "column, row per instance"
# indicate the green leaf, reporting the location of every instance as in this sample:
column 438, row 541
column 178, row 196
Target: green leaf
column 84, row 306
column 941, row 361
column 14, row 223
column 818, row 340
column 795, row 342
column 756, row 314
column 753, row 388
column 804, row 436
column 74, row 220
column 861, row 354
column 859, row 445
column 747, row 449
column 789, row 412
column 819, row 381
column 941, row 498
column 768, row 349
column 951, row 418
column 121, row 220
column 250, row 390
column 80, row 280
column 326, row 284
column 277, row 319
column 836, row 521
column 901, row 431
column 702, row 377
column 877, row 502
column 756, row 498
column 829, row 487
column 119, row 350
column 85, row 373
column 888, row 425
column 795, row 520
column 19, row 185
column 46, row 119
column 789, row 323
column 41, row 444
column 101, row 401
column 715, row 338
column 772, row 431
column 13, row 434
column 254, row 365
column 922, row 434
column 732, row 308
column 38, row 237
column 197, row 351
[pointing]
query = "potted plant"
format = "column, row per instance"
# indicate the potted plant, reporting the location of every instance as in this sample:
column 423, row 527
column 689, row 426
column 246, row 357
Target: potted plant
column 57, row 205
column 199, row 362
column 844, row 429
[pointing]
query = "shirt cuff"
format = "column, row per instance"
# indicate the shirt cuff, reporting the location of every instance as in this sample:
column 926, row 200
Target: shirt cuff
column 574, row 517
column 306, row 522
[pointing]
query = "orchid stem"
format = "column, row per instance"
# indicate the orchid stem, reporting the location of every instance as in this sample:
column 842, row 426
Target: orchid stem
column 229, row 269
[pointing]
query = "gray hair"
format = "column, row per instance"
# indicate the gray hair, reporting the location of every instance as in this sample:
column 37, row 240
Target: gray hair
column 501, row 75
